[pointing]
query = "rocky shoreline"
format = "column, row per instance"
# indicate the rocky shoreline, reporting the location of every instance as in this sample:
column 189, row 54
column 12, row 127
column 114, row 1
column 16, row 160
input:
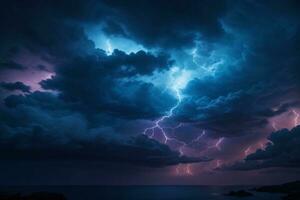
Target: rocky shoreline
column 290, row 190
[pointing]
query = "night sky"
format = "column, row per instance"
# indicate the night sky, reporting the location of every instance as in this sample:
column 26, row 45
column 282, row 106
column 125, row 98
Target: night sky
column 149, row 92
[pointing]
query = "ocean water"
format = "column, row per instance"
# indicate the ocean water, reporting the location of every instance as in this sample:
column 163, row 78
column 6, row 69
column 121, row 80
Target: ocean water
column 140, row 192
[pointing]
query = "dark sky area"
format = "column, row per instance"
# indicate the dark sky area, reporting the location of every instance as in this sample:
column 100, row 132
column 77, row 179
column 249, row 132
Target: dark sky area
column 149, row 92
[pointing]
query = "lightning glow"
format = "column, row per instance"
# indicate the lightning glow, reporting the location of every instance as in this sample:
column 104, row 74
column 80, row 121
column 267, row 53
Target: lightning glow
column 296, row 119
column 262, row 146
column 109, row 47
column 274, row 126
column 247, row 151
column 218, row 143
column 200, row 136
column 182, row 170
column 175, row 127
column 271, row 142
column 218, row 163
column 178, row 79
column 188, row 170
column 157, row 124
column 197, row 139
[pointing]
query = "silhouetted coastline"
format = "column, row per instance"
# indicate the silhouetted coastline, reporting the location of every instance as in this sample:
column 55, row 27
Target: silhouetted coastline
column 291, row 189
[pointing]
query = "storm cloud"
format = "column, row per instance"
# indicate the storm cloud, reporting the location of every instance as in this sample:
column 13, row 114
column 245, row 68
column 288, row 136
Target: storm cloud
column 281, row 151
column 151, row 83
column 39, row 126
column 15, row 86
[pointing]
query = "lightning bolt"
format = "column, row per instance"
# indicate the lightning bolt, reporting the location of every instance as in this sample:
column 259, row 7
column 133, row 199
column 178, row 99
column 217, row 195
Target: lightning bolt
column 194, row 55
column 246, row 152
column 274, row 126
column 218, row 163
column 184, row 170
column 188, row 169
column 157, row 123
column 197, row 139
column 217, row 145
column 174, row 128
column 109, row 47
column 181, row 149
column 177, row 85
column 262, row 145
column 271, row 142
column 177, row 170
column 178, row 82
column 296, row 119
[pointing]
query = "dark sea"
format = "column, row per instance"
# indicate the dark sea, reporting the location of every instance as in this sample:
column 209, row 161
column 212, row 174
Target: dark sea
column 141, row 192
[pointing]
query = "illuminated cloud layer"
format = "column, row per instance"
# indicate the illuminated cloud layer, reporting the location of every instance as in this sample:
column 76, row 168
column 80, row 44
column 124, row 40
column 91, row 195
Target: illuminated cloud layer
column 180, row 90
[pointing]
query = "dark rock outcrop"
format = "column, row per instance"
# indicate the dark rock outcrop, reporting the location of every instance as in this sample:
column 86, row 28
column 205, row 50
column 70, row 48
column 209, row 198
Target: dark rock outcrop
column 284, row 188
column 292, row 190
column 292, row 196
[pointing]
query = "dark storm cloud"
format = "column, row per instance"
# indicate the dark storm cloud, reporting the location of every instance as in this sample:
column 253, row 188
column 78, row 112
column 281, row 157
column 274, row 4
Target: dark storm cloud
column 102, row 83
column 39, row 126
column 44, row 126
column 84, row 75
column 45, row 28
column 34, row 144
column 97, row 91
column 241, row 96
column 283, row 150
column 165, row 24
column 4, row 65
column 15, row 86
column 281, row 109
column 236, row 113
column 224, row 115
column 177, row 24
column 42, row 68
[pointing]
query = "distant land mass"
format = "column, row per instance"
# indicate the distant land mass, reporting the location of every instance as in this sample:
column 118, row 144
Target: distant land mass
column 292, row 190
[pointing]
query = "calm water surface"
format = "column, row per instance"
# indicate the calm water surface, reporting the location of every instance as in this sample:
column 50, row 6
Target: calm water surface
column 141, row 192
